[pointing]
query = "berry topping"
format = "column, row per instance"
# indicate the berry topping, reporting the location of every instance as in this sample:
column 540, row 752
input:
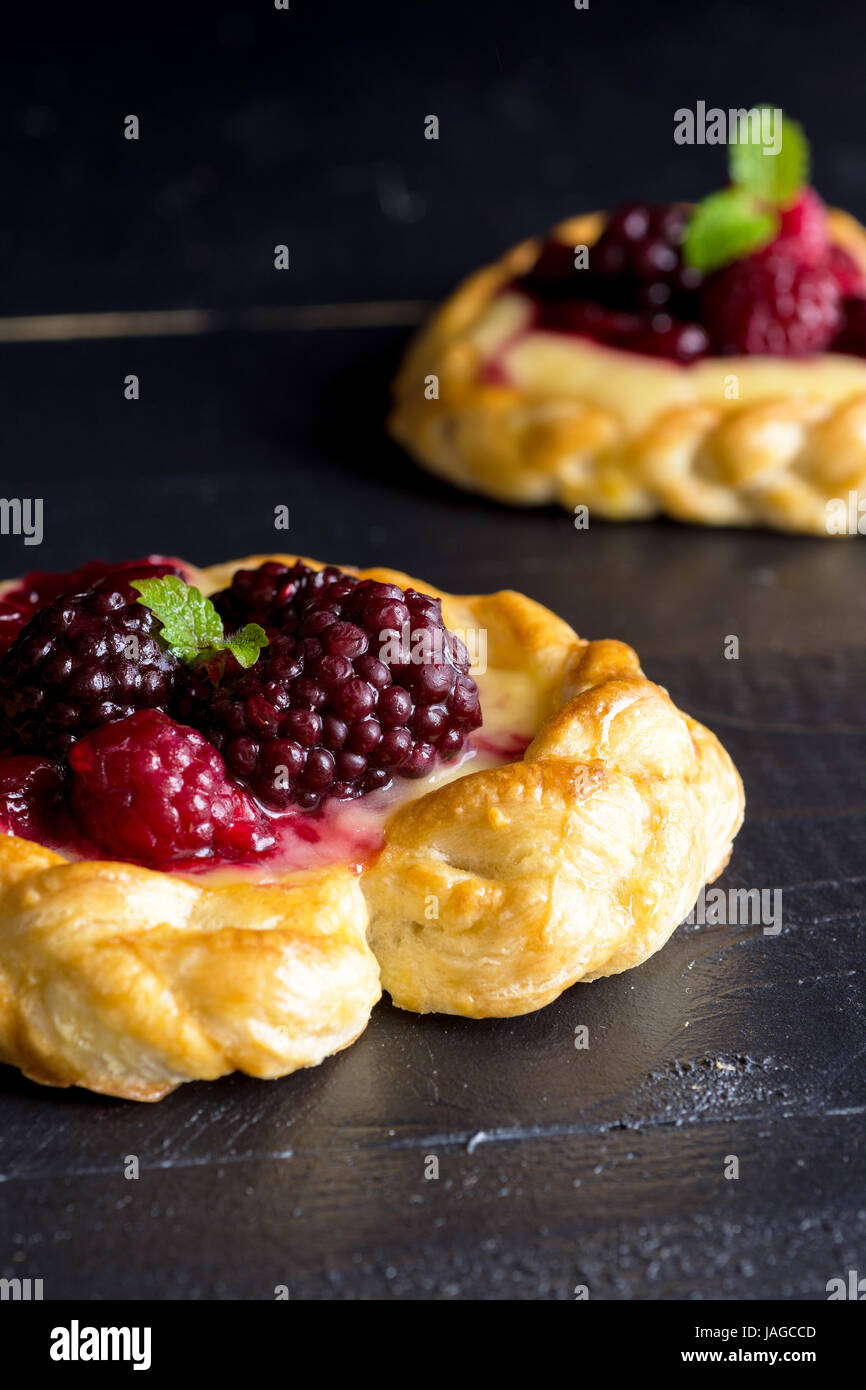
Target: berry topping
column 358, row 682
column 771, row 305
column 272, row 594
column 751, row 269
column 264, row 595
column 362, row 681
column 191, row 627
column 803, row 234
column 31, row 789
column 637, row 293
column 640, row 252
column 39, row 588
column 147, row 789
column 84, row 660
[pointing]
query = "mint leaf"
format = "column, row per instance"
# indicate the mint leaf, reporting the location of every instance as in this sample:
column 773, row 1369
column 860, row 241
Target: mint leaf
column 725, row 226
column 191, row 626
column 246, row 645
column 190, row 623
column 774, row 166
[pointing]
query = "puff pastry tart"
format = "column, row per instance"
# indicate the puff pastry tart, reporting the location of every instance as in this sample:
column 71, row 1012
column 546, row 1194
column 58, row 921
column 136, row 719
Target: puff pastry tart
column 222, row 819
column 706, row 363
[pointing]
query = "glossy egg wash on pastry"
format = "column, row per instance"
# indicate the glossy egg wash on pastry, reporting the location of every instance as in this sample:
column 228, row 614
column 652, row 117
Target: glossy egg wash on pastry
column 238, row 802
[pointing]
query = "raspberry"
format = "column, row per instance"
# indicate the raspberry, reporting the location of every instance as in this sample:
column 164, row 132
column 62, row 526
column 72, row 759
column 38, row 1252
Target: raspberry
column 802, row 235
column 84, row 660
column 147, row 789
column 31, row 790
column 771, row 305
column 333, row 707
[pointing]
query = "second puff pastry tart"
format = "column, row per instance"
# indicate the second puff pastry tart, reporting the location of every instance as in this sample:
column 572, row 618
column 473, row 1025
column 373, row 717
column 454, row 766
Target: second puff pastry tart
column 559, row 835
column 641, row 363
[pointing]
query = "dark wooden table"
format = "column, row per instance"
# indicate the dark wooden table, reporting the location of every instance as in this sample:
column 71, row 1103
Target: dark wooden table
column 557, row 1166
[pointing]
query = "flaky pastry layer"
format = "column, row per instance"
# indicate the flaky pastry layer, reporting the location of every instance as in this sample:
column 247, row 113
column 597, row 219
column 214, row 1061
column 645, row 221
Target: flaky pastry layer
column 733, row 441
column 492, row 894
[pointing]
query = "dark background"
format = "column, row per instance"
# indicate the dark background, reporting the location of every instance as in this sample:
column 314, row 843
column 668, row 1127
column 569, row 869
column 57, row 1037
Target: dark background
column 557, row 1167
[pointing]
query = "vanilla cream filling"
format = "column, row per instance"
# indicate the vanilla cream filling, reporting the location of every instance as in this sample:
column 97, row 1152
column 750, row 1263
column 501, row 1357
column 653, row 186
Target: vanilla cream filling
column 637, row 388
column 514, row 707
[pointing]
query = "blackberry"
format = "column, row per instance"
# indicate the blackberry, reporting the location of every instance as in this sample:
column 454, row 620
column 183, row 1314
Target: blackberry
column 40, row 587
column 635, row 265
column 637, row 294
column 639, row 259
column 362, row 682
column 272, row 594
column 84, row 660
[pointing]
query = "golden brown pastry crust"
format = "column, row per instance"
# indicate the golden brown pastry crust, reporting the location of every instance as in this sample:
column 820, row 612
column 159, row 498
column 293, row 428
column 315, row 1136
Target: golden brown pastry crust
column 130, row 981
column 775, row 455
column 496, row 893
column 576, row 861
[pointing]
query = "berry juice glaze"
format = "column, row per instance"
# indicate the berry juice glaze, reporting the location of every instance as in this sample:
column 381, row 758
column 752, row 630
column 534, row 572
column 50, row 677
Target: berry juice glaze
column 353, row 832
column 350, row 833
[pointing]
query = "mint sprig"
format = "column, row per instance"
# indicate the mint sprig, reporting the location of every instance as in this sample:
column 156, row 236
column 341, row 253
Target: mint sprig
column 725, row 226
column 192, row 627
column 774, row 176
column 745, row 216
